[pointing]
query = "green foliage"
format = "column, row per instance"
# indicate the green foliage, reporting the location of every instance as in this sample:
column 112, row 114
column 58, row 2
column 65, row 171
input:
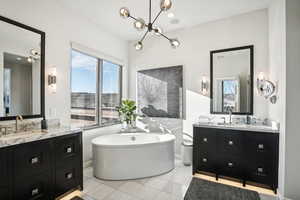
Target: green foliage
column 127, row 111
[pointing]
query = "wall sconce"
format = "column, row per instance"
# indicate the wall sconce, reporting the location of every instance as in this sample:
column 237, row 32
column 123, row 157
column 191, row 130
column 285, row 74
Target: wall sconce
column 52, row 80
column 266, row 88
column 204, row 86
column 34, row 55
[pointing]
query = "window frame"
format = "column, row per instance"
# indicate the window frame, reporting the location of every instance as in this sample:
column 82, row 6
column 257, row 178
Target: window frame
column 99, row 89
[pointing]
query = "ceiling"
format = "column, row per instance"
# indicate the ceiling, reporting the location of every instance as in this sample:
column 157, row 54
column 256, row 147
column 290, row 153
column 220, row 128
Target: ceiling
column 12, row 59
column 105, row 13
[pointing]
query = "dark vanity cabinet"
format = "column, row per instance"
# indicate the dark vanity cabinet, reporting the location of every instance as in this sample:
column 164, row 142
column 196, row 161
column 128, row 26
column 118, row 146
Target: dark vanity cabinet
column 43, row 169
column 4, row 175
column 246, row 155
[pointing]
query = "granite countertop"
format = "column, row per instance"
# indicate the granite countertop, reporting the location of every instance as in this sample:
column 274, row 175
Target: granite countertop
column 35, row 135
column 243, row 127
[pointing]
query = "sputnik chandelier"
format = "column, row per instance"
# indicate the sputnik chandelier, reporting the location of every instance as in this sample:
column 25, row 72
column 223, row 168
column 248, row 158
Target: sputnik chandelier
column 140, row 24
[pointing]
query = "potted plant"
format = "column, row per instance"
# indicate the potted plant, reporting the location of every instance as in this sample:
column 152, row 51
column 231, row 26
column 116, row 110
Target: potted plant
column 127, row 112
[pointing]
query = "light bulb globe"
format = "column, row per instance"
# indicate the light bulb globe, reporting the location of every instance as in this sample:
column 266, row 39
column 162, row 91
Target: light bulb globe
column 124, row 12
column 139, row 24
column 138, row 46
column 165, row 5
column 174, row 43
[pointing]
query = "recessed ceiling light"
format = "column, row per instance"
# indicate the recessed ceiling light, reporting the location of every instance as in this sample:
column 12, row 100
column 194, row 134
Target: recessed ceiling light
column 18, row 58
column 171, row 15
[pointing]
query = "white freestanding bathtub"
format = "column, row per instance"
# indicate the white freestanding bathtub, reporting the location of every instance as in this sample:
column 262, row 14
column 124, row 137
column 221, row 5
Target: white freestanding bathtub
column 133, row 155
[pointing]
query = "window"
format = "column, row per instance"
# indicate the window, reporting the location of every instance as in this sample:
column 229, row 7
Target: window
column 96, row 91
column 111, row 95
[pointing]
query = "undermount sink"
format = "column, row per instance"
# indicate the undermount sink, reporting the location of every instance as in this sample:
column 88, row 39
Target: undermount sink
column 13, row 137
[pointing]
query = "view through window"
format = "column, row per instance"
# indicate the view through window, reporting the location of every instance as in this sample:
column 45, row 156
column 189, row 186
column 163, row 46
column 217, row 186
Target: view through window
column 96, row 91
column 111, row 96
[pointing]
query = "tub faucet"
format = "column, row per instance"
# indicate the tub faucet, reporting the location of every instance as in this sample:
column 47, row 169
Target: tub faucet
column 18, row 118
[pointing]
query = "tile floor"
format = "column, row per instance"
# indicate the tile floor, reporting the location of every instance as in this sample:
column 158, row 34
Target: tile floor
column 170, row 186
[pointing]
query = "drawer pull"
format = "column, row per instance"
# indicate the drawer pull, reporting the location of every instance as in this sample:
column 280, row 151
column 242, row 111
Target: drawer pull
column 34, row 160
column 230, row 143
column 230, row 164
column 69, row 150
column 205, row 140
column 69, row 175
column 204, row 160
column 261, row 146
column 260, row 170
column 35, row 191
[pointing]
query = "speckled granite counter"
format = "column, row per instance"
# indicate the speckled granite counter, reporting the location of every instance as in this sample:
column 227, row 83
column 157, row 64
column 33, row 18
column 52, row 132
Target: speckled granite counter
column 242, row 127
column 35, row 135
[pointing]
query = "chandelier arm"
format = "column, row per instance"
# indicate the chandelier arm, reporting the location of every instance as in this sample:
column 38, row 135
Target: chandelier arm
column 164, row 36
column 144, row 36
column 150, row 11
column 133, row 18
column 157, row 16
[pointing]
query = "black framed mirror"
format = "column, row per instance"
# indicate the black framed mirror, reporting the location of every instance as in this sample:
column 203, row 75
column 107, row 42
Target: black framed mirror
column 22, row 69
column 231, row 78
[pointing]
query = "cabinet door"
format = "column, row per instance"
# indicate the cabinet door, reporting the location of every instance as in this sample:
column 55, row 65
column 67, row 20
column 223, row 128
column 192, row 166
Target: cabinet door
column 67, row 178
column 260, row 144
column 4, row 193
column 260, row 170
column 231, row 166
column 37, row 187
column 207, row 162
column 204, row 150
column 67, row 149
column 262, row 154
column 230, row 142
column 32, row 158
column 206, row 140
column 3, row 167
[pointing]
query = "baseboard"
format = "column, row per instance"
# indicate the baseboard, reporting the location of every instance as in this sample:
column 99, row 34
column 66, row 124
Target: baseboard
column 281, row 197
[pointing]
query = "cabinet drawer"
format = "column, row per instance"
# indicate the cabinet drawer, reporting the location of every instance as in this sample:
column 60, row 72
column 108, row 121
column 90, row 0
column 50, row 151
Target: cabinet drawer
column 36, row 187
column 260, row 144
column 67, row 178
column 260, row 170
column 32, row 158
column 3, row 168
column 4, row 193
column 231, row 166
column 207, row 163
column 206, row 139
column 230, row 142
column 67, row 149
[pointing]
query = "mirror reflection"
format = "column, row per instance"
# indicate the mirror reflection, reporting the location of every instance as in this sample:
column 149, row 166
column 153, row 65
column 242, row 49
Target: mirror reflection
column 20, row 71
column 232, row 80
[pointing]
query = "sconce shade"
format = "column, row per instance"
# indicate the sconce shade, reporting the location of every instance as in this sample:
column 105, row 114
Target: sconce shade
column 204, row 86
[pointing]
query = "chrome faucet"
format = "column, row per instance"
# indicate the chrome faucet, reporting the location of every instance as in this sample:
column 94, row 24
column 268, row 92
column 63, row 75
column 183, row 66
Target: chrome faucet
column 230, row 115
column 18, row 118
column 5, row 132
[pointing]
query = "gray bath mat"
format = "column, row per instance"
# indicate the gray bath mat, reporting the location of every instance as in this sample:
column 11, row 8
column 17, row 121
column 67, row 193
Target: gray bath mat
column 200, row 189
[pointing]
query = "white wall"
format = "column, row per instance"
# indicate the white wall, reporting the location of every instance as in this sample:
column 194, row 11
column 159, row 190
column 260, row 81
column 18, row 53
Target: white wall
column 63, row 27
column 292, row 158
column 277, row 74
column 193, row 54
